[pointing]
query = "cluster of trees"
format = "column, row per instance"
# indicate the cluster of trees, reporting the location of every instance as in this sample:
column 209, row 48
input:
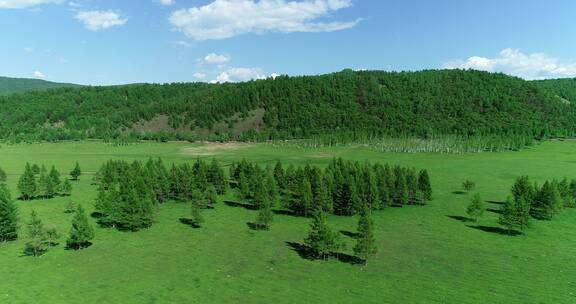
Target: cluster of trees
column 38, row 182
column 342, row 188
column 345, row 106
column 128, row 193
column 39, row 237
column 529, row 200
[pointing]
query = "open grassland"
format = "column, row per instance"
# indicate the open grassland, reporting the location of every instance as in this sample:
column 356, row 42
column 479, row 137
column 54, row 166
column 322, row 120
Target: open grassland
column 426, row 254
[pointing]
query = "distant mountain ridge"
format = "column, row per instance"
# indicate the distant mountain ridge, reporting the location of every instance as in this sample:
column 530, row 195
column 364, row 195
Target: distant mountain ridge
column 15, row 85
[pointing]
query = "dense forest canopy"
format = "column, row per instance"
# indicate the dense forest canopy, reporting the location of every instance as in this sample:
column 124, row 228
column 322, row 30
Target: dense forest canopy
column 14, row 85
column 363, row 103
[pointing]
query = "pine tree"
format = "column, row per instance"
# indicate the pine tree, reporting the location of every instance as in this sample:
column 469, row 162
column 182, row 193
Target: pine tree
column 508, row 215
column 66, row 188
column 81, row 232
column 424, row 186
column 545, row 202
column 243, row 187
column 468, row 185
column 8, row 216
column 55, row 182
column 305, row 197
column 196, row 213
column 279, row 175
column 321, row 240
column 3, row 176
column 265, row 215
column 37, row 238
column 475, row 208
column 366, row 243
column 211, row 195
column 76, row 172
column 27, row 183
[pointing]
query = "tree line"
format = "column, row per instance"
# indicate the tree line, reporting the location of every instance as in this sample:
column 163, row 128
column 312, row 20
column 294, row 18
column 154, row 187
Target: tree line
column 345, row 106
column 38, row 182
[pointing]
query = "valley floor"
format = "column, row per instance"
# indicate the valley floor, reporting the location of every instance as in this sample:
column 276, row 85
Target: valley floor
column 426, row 254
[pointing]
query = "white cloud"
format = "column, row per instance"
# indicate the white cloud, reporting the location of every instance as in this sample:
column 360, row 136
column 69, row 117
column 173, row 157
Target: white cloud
column 25, row 3
column 38, row 74
column 199, row 75
column 214, row 58
column 99, row 20
column 223, row 19
column 28, row 49
column 514, row 62
column 239, row 74
column 166, row 2
column 274, row 75
column 183, row 43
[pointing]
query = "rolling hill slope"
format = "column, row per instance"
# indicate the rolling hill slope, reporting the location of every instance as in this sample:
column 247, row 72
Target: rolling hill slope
column 347, row 105
column 14, row 85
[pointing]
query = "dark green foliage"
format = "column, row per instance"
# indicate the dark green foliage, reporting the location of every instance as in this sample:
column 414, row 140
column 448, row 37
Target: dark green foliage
column 76, row 172
column 468, row 185
column 365, row 242
column 27, row 183
column 81, row 233
column 424, row 186
column 70, row 207
column 475, row 208
column 508, row 215
column 8, row 216
column 3, row 176
column 211, row 195
column 547, row 202
column 322, row 241
column 66, row 187
column 38, row 238
column 265, row 215
column 338, row 107
column 196, row 210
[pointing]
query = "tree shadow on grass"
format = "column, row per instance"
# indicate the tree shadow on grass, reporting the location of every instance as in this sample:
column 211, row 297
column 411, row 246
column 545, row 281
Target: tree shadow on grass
column 496, row 230
column 189, row 222
column 460, row 218
column 459, row 192
column 350, row 234
column 256, row 226
column 496, row 202
column 494, row 210
column 78, row 247
column 305, row 253
column 241, row 205
column 287, row 212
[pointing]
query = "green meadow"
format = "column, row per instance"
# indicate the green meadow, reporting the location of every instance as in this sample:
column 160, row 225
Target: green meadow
column 426, row 254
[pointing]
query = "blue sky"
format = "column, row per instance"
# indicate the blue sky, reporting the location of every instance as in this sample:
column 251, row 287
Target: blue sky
column 126, row 41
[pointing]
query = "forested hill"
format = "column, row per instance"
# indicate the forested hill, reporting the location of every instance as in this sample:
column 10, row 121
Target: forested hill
column 563, row 88
column 13, row 85
column 348, row 104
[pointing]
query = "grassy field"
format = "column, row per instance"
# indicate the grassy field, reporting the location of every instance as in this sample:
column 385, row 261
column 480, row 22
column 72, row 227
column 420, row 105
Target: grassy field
column 426, row 255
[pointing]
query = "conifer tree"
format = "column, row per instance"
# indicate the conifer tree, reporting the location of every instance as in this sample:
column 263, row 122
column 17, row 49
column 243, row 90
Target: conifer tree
column 546, row 201
column 475, row 208
column 196, row 213
column 27, row 183
column 66, row 187
column 402, row 190
column 8, row 216
column 211, row 195
column 37, row 238
column 279, row 175
column 76, row 172
column 508, row 215
column 81, row 233
column 265, row 215
column 468, row 185
column 322, row 241
column 243, row 187
column 273, row 189
column 54, row 177
column 424, row 186
column 3, row 176
column 365, row 243
column 305, row 197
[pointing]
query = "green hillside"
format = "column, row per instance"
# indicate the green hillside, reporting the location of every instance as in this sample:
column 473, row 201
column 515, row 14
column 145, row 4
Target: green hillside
column 346, row 106
column 14, row 85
